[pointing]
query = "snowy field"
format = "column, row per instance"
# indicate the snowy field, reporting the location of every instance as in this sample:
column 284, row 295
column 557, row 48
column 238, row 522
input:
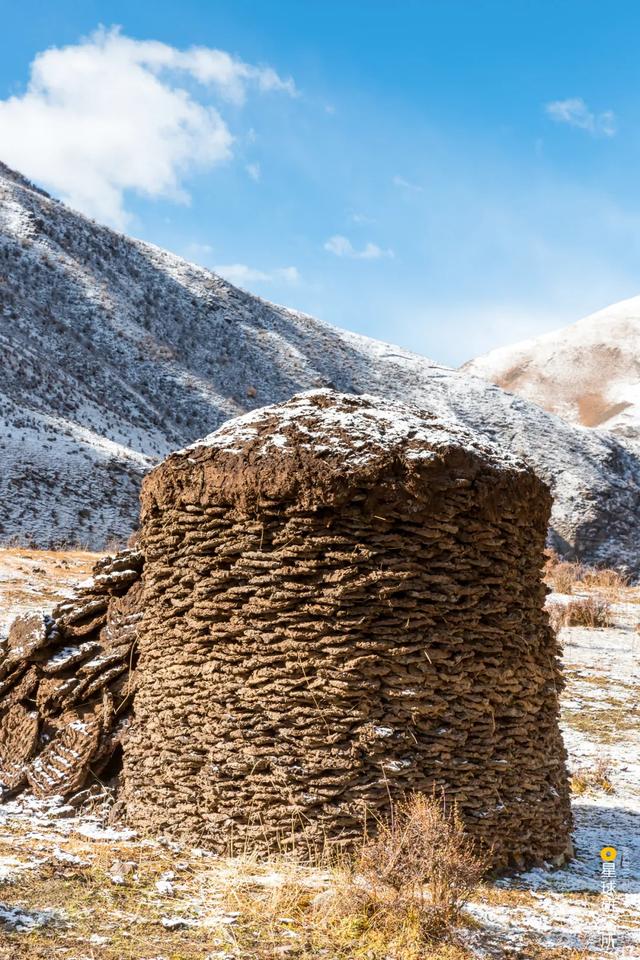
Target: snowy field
column 38, row 579
column 601, row 725
column 81, row 888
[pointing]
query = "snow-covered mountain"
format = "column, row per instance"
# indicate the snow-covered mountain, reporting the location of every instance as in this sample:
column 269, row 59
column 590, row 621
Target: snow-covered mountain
column 115, row 352
column 588, row 373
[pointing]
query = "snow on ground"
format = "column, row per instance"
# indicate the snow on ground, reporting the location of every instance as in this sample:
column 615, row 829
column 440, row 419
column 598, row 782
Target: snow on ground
column 601, row 724
column 38, row 579
column 82, row 887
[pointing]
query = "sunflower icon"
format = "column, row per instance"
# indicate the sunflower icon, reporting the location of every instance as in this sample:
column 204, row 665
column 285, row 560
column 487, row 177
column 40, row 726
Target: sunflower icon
column 608, row 854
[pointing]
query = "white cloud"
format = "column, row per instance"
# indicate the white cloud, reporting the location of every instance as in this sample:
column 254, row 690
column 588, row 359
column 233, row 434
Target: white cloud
column 575, row 112
column 342, row 247
column 229, row 75
column 243, row 275
column 360, row 218
column 198, row 251
column 288, row 274
column 407, row 184
column 254, row 171
column 112, row 114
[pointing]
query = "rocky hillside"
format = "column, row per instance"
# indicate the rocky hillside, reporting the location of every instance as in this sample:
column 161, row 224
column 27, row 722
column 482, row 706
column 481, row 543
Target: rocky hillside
column 588, row 373
column 115, row 352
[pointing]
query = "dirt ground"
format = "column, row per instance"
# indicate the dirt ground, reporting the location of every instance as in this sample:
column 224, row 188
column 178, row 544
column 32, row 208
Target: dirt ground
column 75, row 888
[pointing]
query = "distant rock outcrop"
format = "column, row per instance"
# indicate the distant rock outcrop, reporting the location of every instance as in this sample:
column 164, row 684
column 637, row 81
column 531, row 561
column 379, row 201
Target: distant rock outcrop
column 115, row 352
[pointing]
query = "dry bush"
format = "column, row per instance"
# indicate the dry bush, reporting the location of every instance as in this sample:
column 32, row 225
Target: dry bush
column 611, row 582
column 409, row 883
column 561, row 575
column 399, row 897
column 581, row 612
column 564, row 576
column 596, row 777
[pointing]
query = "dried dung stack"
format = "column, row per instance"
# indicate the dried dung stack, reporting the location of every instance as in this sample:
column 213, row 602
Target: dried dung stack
column 343, row 603
column 66, row 684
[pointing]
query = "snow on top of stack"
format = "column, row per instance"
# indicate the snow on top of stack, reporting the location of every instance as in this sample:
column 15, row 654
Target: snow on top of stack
column 357, row 428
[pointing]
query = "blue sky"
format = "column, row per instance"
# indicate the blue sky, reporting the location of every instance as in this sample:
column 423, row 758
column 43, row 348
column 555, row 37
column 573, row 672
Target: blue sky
column 450, row 175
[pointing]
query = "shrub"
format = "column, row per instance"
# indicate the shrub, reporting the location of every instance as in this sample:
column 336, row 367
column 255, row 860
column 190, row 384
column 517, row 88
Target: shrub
column 398, row 897
column 611, row 582
column 581, row 612
column 412, row 880
column 595, row 777
column 561, row 575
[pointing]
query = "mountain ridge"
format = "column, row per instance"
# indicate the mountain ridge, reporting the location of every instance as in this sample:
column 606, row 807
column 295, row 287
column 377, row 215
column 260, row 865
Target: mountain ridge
column 116, row 352
column 588, row 373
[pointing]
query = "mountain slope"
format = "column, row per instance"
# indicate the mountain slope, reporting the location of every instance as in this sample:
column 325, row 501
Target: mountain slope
column 588, row 373
column 115, row 352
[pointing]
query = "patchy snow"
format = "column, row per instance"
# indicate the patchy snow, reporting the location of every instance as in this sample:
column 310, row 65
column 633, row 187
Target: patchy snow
column 63, row 857
column 165, row 885
column 80, row 726
column 32, row 580
column 24, row 921
column 172, row 923
column 10, row 866
column 96, row 831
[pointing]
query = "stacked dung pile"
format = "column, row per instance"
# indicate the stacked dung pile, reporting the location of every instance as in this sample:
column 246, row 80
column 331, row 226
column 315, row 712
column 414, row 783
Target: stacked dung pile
column 343, row 603
column 66, row 684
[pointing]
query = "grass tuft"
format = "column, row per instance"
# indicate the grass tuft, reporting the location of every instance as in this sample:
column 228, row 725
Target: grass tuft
column 564, row 576
column 593, row 778
column 408, row 885
column 592, row 612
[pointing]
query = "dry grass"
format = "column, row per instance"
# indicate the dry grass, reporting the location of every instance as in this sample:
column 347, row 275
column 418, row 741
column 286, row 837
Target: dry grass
column 127, row 917
column 497, row 895
column 562, row 576
column 33, row 579
column 593, row 778
column 567, row 577
column 408, row 886
column 399, row 898
column 606, row 724
column 612, row 581
column 592, row 612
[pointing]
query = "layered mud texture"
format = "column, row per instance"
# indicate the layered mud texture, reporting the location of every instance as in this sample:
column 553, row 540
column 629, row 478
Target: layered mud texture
column 66, row 686
column 342, row 604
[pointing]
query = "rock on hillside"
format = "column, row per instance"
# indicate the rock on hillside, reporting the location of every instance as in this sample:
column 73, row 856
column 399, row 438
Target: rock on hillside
column 588, row 373
column 115, row 352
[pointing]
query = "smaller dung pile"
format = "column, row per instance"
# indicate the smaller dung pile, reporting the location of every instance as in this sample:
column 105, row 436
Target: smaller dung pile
column 67, row 682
